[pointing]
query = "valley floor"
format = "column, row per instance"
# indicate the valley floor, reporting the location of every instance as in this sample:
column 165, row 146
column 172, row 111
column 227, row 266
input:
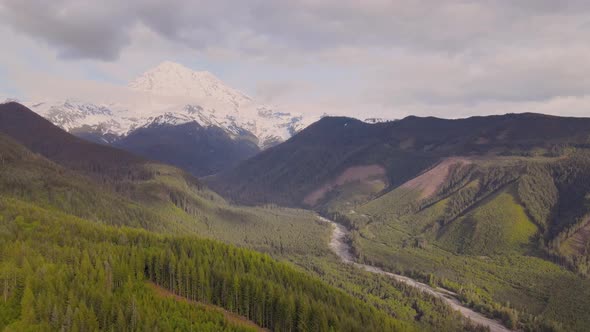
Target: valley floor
column 342, row 249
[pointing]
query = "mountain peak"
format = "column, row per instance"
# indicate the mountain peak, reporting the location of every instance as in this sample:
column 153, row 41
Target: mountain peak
column 169, row 67
column 173, row 79
column 189, row 96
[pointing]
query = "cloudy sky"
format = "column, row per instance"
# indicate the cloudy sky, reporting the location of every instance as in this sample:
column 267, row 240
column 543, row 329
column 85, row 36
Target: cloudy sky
column 362, row 58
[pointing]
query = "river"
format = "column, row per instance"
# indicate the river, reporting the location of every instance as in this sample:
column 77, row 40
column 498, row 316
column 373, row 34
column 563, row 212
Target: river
column 341, row 248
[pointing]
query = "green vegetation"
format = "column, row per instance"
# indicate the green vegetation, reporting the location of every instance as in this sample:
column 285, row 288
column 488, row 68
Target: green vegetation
column 492, row 234
column 84, row 233
column 506, row 230
column 497, row 226
column 398, row 299
column 79, row 241
column 288, row 172
column 167, row 201
column 62, row 271
column 292, row 234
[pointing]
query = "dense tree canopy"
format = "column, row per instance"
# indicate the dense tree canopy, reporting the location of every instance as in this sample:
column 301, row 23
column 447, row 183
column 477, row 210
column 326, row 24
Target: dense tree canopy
column 60, row 272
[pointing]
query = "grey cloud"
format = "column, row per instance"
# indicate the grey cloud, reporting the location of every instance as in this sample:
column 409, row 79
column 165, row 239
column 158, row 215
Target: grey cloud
column 76, row 29
column 516, row 75
column 271, row 91
column 434, row 52
column 100, row 29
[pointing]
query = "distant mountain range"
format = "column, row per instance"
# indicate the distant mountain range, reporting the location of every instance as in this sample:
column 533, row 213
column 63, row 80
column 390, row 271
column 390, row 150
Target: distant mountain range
column 212, row 124
column 288, row 173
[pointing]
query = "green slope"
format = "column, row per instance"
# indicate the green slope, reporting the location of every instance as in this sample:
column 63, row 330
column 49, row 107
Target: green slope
column 497, row 226
column 167, row 202
column 58, row 215
column 60, row 271
column 503, row 227
column 293, row 235
column 491, row 233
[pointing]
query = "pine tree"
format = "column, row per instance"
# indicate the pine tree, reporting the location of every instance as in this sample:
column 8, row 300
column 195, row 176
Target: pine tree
column 28, row 314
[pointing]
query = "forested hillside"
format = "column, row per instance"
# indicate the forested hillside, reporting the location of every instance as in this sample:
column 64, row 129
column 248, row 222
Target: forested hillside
column 40, row 136
column 508, row 233
column 82, row 244
column 60, row 271
column 196, row 149
column 312, row 159
column 494, row 208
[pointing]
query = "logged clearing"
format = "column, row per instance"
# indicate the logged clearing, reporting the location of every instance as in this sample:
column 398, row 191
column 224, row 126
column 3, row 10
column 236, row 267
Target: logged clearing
column 578, row 242
column 429, row 182
column 230, row 316
column 351, row 174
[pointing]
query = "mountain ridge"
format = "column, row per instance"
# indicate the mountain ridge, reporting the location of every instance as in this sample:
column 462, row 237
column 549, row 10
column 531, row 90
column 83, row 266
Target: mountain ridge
column 17, row 121
column 493, row 208
column 404, row 147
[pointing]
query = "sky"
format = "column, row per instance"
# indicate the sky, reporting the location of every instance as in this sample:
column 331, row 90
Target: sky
column 360, row 58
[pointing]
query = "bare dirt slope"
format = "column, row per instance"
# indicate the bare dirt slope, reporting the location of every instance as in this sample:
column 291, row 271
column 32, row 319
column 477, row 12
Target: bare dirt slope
column 351, row 174
column 430, row 181
column 578, row 242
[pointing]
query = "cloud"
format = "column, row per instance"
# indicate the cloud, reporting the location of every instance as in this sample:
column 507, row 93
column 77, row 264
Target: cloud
column 100, row 30
column 393, row 55
column 514, row 75
column 78, row 29
column 272, row 91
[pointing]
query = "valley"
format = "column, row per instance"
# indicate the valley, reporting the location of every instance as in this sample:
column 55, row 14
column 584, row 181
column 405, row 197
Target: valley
column 294, row 166
column 71, row 205
column 460, row 243
column 342, row 249
column 481, row 207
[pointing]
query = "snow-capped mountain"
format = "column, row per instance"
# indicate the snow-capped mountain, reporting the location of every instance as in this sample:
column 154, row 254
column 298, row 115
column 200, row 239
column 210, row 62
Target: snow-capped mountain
column 171, row 94
column 172, row 79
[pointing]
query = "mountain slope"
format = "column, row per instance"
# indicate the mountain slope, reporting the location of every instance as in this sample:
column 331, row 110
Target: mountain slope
column 172, row 95
column 500, row 223
column 50, row 225
column 493, row 208
column 49, row 255
column 112, row 186
column 198, row 150
column 321, row 153
column 41, row 136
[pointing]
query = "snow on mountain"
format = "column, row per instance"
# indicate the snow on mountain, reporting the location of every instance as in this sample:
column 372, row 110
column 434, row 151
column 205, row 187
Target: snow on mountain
column 171, row 94
column 377, row 120
column 4, row 100
column 172, row 79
